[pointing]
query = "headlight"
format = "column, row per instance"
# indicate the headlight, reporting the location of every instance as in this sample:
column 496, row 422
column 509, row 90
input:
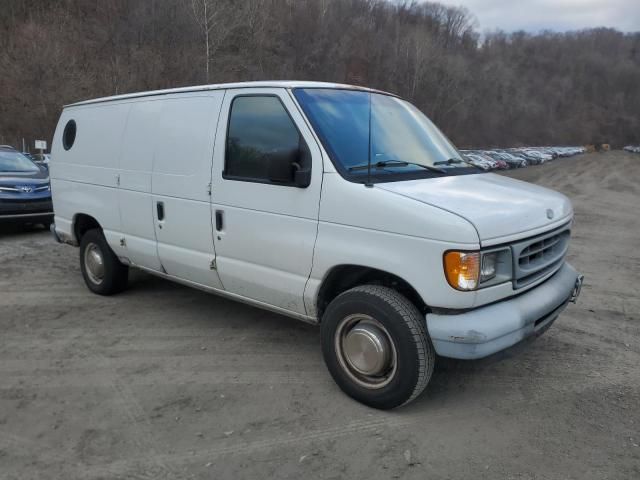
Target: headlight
column 462, row 269
column 488, row 270
column 472, row 270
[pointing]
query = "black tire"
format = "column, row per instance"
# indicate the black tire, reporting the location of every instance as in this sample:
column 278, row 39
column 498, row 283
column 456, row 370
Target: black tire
column 405, row 327
column 115, row 275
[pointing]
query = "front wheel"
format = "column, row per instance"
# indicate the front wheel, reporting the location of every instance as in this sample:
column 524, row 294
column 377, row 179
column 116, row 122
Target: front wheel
column 102, row 271
column 376, row 346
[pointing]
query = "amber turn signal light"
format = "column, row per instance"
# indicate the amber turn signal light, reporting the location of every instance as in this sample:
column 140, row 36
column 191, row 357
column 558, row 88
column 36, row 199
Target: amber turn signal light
column 462, row 269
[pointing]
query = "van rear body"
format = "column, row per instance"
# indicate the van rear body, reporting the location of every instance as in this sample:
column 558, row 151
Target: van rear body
column 337, row 205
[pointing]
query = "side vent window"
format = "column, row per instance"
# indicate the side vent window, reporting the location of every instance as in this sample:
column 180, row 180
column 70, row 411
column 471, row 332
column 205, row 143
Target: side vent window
column 69, row 134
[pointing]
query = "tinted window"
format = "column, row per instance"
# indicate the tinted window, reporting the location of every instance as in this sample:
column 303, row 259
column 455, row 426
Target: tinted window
column 259, row 129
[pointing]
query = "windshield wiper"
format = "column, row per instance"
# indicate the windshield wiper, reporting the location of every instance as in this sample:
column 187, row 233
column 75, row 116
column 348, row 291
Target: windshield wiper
column 453, row 161
column 395, row 163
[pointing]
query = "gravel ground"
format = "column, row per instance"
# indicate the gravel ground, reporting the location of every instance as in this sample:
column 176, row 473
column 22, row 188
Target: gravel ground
column 165, row 382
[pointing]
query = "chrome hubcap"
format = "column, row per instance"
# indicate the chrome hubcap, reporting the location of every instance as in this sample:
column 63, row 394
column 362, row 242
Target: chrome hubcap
column 94, row 263
column 365, row 351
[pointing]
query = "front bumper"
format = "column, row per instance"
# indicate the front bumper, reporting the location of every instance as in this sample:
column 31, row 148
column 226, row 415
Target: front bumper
column 29, row 210
column 487, row 330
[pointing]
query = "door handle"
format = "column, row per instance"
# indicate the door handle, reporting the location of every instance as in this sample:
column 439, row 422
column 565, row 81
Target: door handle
column 160, row 210
column 219, row 220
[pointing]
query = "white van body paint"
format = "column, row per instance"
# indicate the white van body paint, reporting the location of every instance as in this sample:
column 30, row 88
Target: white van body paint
column 277, row 244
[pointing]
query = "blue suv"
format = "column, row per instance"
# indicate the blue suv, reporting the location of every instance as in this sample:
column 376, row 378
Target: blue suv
column 25, row 191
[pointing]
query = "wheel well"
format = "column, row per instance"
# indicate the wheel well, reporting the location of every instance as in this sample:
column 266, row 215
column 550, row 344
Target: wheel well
column 82, row 224
column 344, row 277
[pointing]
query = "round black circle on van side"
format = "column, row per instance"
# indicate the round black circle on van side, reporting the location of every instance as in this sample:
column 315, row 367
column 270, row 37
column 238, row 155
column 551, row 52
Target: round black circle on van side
column 69, row 134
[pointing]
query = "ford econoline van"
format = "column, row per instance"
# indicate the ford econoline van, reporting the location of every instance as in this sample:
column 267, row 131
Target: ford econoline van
column 337, row 205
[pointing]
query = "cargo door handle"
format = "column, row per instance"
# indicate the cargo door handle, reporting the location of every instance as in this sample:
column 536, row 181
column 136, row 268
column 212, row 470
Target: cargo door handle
column 219, row 220
column 160, row 210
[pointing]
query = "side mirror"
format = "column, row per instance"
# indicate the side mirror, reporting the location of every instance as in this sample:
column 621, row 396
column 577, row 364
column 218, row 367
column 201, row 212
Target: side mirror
column 301, row 177
column 284, row 167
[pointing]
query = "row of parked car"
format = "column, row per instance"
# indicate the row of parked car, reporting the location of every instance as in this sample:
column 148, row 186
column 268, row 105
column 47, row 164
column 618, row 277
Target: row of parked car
column 632, row 148
column 504, row 158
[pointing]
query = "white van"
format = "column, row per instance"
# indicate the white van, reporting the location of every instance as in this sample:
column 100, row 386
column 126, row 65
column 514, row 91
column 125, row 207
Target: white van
column 333, row 204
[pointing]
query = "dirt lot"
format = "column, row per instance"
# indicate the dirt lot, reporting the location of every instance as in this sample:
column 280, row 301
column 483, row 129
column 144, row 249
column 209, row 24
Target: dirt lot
column 166, row 382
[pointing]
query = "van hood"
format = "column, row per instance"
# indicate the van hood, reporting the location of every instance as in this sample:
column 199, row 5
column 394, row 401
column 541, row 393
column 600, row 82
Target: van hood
column 497, row 206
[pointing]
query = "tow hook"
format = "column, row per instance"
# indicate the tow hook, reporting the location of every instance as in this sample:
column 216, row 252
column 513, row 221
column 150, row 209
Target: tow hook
column 576, row 289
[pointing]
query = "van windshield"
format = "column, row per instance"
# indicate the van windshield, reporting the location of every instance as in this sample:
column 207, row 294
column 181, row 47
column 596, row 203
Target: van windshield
column 401, row 142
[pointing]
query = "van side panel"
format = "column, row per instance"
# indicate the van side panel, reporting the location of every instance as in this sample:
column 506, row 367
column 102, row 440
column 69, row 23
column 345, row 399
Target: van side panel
column 84, row 178
column 391, row 233
column 180, row 182
column 265, row 244
column 135, row 166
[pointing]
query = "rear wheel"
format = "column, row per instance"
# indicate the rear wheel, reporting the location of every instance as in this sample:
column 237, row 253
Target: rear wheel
column 376, row 346
column 102, row 271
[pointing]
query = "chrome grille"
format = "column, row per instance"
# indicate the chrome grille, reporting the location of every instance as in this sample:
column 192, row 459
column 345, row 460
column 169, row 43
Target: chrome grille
column 17, row 189
column 536, row 257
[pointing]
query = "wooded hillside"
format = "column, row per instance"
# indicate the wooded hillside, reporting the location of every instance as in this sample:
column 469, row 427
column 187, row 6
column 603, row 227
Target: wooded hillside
column 501, row 89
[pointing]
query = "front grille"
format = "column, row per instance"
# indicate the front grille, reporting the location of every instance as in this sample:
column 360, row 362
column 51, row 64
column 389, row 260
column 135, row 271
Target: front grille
column 538, row 256
column 18, row 189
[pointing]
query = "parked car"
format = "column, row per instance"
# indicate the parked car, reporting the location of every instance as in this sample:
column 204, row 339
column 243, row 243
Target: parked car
column 30, row 156
column 25, row 194
column 499, row 164
column 42, row 158
column 531, row 159
column 478, row 161
column 545, row 154
column 549, row 151
column 512, row 161
column 496, row 164
column 565, row 151
column 380, row 234
column 541, row 156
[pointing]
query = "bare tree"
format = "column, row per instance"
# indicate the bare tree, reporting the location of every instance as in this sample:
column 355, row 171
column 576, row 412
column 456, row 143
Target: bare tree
column 216, row 22
column 509, row 89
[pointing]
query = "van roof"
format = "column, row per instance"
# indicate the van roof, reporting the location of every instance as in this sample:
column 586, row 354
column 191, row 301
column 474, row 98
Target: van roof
column 224, row 86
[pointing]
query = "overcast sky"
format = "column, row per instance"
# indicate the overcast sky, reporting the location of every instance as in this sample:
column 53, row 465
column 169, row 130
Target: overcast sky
column 559, row 15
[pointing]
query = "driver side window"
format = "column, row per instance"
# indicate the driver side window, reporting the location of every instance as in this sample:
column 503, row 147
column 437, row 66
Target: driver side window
column 263, row 144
